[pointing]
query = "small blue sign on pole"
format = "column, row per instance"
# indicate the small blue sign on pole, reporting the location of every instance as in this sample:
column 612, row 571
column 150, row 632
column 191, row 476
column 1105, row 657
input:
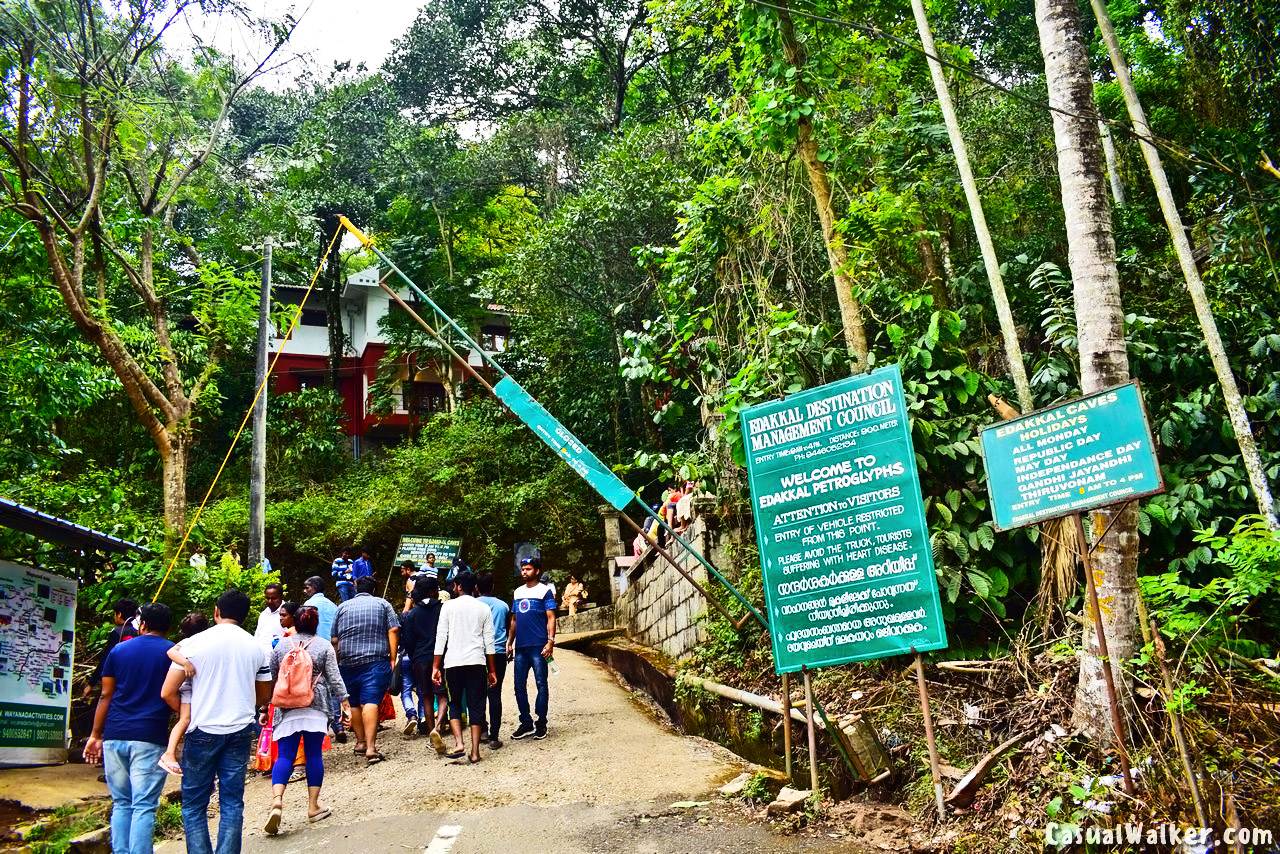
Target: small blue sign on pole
column 1090, row 452
column 564, row 443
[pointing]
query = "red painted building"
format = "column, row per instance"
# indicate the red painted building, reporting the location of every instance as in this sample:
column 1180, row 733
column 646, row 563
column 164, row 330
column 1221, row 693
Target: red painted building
column 421, row 389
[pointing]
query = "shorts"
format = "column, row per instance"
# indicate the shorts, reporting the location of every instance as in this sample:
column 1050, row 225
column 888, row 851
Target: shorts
column 422, row 678
column 467, row 687
column 366, row 683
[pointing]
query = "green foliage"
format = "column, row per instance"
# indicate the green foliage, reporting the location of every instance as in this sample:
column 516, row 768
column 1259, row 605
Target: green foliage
column 1234, row 603
column 310, row 445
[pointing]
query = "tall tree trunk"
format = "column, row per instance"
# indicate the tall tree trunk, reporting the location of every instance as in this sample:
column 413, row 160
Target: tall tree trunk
column 1004, row 313
column 1236, row 413
column 933, row 276
column 1113, row 164
column 1100, row 328
column 851, row 314
column 175, row 487
column 333, row 311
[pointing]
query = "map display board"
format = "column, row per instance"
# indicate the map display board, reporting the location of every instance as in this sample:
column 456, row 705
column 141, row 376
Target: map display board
column 37, row 641
column 564, row 443
column 844, row 548
column 1089, row 452
column 416, row 547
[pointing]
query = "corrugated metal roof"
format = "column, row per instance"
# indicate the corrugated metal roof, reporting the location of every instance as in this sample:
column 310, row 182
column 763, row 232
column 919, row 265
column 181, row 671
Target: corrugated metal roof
column 29, row 520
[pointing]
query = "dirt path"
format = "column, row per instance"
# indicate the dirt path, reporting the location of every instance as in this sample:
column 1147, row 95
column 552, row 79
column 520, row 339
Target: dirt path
column 604, row 780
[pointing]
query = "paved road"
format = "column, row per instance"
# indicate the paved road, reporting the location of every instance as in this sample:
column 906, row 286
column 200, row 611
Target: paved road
column 604, row 780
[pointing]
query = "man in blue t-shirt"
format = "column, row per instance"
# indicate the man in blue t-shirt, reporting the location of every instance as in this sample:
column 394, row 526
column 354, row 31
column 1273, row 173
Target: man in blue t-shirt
column 531, row 637
column 361, row 566
column 342, row 571
column 131, row 729
column 501, row 615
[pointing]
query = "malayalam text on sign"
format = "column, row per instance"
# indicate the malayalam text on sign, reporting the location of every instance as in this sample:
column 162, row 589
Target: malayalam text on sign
column 1089, row 452
column 844, row 548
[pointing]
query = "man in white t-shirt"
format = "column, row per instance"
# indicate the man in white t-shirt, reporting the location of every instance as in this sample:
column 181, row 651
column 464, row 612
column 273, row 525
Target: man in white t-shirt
column 230, row 677
column 269, row 628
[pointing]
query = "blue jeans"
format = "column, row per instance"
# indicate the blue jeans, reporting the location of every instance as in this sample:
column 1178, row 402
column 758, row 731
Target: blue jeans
column 135, row 780
column 407, row 689
column 205, row 757
column 366, row 683
column 526, row 658
column 346, row 590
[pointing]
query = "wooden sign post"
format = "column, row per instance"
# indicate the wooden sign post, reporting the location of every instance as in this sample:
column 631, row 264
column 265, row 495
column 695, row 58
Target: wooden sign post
column 1092, row 452
column 844, row 545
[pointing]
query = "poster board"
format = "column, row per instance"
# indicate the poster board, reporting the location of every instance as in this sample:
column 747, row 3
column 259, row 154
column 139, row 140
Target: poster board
column 37, row 647
column 1089, row 452
column 844, row 548
column 416, row 547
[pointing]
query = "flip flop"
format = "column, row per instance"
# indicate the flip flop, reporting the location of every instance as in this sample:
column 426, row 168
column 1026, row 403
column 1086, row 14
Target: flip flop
column 455, row 754
column 320, row 816
column 360, row 750
column 273, row 820
column 437, row 743
column 373, row 759
column 171, row 767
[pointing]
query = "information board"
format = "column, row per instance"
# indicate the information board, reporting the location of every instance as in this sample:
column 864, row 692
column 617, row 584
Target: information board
column 37, row 642
column 844, row 548
column 564, row 443
column 416, row 547
column 1090, row 452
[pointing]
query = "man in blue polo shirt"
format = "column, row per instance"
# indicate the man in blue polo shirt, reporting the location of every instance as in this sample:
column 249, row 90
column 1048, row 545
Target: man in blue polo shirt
column 131, row 730
column 531, row 637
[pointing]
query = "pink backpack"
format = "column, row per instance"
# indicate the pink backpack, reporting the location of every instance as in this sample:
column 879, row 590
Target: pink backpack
column 295, row 687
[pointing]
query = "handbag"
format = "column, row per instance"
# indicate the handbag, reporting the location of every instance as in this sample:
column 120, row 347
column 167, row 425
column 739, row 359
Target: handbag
column 386, row 710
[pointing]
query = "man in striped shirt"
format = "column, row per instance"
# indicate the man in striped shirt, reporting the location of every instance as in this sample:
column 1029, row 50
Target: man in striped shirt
column 366, row 635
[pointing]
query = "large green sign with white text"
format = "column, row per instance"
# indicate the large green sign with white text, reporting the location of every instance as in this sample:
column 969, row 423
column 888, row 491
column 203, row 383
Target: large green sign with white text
column 844, row 548
column 1086, row 453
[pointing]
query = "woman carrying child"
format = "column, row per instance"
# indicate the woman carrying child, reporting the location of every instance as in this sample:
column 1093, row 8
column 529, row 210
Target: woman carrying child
column 305, row 724
column 192, row 624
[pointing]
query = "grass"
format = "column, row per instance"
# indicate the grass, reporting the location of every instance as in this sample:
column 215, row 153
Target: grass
column 54, row 834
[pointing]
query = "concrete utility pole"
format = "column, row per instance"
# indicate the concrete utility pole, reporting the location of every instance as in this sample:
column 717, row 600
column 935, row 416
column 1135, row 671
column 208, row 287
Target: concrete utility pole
column 258, row 466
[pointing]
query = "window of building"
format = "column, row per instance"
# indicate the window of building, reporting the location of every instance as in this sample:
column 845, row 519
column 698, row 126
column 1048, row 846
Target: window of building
column 494, row 338
column 314, row 317
column 423, row 399
column 310, row 379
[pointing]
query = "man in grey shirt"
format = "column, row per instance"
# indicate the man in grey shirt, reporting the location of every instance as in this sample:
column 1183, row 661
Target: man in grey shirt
column 366, row 636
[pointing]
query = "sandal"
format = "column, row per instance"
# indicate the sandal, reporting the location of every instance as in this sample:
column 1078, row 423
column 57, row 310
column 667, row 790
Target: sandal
column 320, row 816
column 273, row 820
column 373, row 759
column 170, row 767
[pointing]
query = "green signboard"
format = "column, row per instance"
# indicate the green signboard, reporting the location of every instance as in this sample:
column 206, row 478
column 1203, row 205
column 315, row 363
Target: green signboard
column 564, row 443
column 848, row 572
column 37, row 642
column 416, row 547
column 1086, row 453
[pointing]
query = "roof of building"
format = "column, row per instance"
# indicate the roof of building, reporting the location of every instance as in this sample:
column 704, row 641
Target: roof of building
column 29, row 520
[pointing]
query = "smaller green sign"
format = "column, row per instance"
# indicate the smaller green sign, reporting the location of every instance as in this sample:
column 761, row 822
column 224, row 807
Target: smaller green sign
column 416, row 547
column 1090, row 452
column 564, row 443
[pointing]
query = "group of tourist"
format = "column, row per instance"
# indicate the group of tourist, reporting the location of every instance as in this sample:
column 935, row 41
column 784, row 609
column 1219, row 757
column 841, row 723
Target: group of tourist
column 317, row 669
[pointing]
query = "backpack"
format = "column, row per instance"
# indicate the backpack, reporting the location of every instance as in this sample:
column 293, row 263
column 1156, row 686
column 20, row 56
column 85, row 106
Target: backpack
column 295, row 687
